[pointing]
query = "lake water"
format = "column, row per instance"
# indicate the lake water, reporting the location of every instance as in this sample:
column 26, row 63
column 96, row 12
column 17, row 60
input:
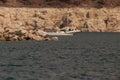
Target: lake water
column 84, row 56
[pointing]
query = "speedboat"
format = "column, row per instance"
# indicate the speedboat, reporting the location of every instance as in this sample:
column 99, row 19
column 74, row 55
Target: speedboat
column 59, row 34
column 63, row 33
column 73, row 31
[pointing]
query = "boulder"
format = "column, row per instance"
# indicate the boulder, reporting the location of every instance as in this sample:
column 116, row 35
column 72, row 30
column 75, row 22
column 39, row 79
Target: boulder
column 54, row 39
column 41, row 33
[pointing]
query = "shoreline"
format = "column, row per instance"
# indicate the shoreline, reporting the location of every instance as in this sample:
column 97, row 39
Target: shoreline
column 33, row 23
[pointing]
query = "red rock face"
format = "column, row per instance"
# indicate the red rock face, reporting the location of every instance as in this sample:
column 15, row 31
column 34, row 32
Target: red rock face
column 60, row 3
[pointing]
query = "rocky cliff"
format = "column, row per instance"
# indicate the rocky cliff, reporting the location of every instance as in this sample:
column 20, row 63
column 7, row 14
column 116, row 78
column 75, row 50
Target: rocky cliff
column 24, row 23
column 60, row 3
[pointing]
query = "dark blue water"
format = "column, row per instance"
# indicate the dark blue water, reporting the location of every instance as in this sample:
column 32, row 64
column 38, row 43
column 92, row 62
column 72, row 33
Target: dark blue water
column 85, row 56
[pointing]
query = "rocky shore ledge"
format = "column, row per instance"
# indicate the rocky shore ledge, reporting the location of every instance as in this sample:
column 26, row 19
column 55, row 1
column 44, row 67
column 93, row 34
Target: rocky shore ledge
column 34, row 23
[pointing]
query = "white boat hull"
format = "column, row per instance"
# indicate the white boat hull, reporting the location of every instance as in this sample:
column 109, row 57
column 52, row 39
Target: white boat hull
column 68, row 33
column 60, row 34
column 73, row 31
